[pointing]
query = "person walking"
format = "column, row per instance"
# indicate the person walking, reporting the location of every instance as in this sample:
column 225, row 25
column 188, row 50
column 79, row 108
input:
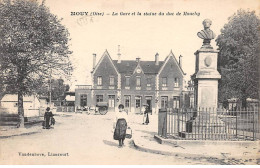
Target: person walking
column 47, row 117
column 143, row 112
column 120, row 125
column 147, row 115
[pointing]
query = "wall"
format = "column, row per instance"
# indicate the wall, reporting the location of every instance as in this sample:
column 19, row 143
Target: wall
column 105, row 69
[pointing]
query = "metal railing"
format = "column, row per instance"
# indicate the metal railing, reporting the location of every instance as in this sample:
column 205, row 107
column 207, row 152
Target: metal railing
column 209, row 124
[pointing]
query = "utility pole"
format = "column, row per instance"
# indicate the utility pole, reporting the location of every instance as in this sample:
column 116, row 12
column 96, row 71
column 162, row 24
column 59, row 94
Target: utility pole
column 50, row 82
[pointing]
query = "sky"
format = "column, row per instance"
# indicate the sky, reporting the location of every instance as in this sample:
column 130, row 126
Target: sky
column 140, row 36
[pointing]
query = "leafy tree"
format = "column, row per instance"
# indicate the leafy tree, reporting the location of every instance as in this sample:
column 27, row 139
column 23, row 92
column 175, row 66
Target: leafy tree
column 33, row 46
column 58, row 89
column 239, row 57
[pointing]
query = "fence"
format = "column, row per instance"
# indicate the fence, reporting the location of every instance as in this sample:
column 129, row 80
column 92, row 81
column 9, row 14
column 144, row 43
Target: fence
column 209, row 124
column 65, row 108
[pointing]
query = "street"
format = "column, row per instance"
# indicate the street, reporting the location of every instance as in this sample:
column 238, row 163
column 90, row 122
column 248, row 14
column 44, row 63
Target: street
column 81, row 139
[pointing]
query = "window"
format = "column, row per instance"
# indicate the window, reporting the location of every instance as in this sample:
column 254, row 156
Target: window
column 99, row 80
column 83, row 100
column 164, row 81
column 176, row 102
column 137, row 101
column 164, row 102
column 138, row 81
column 176, row 82
column 99, row 98
column 127, row 80
column 127, row 101
column 111, row 81
column 149, row 81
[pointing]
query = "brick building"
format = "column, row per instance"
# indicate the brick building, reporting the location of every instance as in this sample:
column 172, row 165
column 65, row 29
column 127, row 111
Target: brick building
column 134, row 83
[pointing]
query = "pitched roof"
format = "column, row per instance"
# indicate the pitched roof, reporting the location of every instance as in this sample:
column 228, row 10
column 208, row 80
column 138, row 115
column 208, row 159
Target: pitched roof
column 175, row 60
column 128, row 66
column 101, row 59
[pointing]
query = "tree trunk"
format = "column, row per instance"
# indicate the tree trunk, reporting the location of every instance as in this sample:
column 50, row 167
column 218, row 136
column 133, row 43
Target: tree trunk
column 20, row 110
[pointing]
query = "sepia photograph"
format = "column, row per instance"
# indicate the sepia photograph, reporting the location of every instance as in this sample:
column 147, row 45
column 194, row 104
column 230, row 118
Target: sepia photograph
column 131, row 82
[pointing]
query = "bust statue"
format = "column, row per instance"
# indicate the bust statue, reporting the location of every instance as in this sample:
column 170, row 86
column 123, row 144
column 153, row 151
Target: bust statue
column 206, row 34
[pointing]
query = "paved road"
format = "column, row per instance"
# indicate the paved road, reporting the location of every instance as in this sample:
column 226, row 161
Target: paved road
column 86, row 138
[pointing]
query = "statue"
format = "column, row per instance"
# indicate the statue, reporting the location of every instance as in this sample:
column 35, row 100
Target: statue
column 206, row 34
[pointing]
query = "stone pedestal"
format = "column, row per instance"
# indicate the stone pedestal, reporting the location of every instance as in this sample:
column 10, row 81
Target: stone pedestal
column 206, row 78
column 205, row 124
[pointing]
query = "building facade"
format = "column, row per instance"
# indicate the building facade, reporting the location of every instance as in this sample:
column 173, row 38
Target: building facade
column 158, row 84
column 32, row 105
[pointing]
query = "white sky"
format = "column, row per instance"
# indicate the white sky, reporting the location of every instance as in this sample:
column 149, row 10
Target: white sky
column 140, row 36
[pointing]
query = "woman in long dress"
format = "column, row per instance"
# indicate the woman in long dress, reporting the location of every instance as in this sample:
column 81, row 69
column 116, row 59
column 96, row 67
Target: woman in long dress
column 120, row 125
column 147, row 115
column 47, row 116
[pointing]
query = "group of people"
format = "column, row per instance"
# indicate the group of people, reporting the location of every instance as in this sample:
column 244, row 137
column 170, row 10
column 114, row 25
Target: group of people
column 121, row 125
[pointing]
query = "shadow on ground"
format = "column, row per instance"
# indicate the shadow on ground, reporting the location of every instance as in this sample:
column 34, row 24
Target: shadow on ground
column 110, row 143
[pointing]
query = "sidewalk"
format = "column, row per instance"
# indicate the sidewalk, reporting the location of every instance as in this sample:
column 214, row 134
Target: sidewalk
column 31, row 127
column 6, row 132
column 144, row 137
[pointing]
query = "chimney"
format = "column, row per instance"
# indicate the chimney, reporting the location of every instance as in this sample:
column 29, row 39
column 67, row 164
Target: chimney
column 138, row 59
column 119, row 55
column 180, row 61
column 156, row 59
column 94, row 61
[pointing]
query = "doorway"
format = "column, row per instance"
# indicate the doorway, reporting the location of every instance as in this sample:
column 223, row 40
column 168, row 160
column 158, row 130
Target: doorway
column 149, row 103
column 138, row 104
column 128, row 103
column 111, row 102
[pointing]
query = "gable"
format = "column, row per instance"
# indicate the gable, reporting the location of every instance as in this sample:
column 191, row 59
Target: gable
column 173, row 63
column 104, row 63
column 139, row 68
column 170, row 69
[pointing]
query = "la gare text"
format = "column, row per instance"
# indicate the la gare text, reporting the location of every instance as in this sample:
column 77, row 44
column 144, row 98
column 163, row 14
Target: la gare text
column 136, row 13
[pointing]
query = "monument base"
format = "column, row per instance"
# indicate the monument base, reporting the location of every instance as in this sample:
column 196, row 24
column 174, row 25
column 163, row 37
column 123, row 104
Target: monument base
column 206, row 125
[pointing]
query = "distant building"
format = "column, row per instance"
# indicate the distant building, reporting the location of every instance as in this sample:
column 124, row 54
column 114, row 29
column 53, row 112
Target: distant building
column 43, row 104
column 83, row 96
column 31, row 104
column 66, row 105
column 159, row 84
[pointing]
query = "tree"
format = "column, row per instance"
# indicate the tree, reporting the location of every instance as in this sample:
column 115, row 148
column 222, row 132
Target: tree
column 58, row 89
column 239, row 57
column 33, row 46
